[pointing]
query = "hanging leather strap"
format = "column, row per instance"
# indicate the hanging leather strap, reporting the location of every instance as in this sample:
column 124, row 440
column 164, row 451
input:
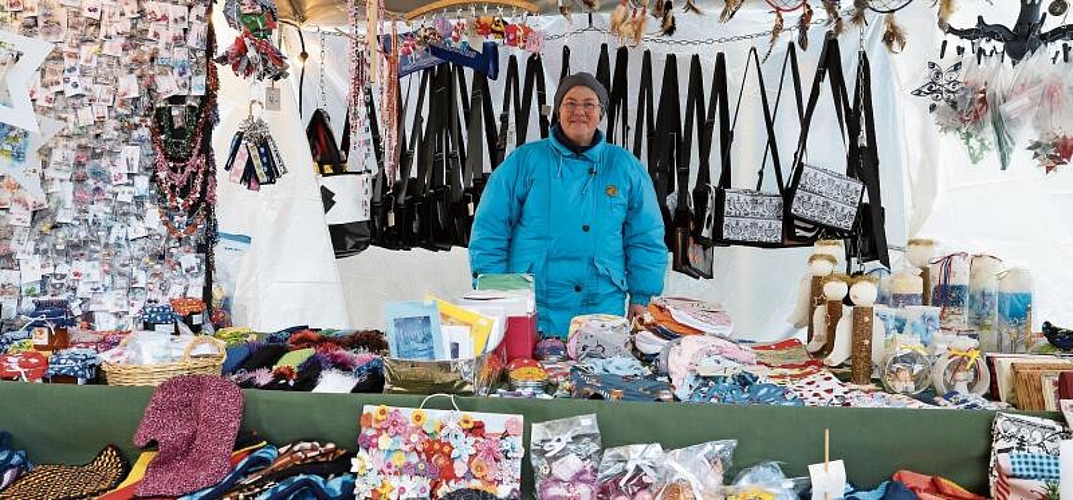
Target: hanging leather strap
column 474, row 171
column 695, row 115
column 618, row 128
column 534, row 81
column 565, row 72
column 603, row 67
column 725, row 175
column 788, row 62
column 646, row 117
column 416, row 138
column 510, row 96
column 668, row 131
column 830, row 65
column 868, row 163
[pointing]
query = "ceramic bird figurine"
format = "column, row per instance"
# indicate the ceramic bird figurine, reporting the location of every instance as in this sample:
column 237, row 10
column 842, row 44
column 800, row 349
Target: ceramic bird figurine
column 1061, row 338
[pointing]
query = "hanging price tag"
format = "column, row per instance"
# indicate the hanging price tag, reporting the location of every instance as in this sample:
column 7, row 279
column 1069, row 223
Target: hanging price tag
column 272, row 98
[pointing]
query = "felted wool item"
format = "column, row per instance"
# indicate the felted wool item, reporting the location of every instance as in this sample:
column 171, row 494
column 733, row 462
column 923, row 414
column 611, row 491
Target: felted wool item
column 194, row 419
column 294, row 358
column 336, row 381
column 61, row 482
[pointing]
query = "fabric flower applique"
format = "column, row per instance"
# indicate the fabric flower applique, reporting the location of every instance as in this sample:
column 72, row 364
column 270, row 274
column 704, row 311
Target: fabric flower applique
column 461, row 468
column 418, row 418
column 488, row 450
column 381, row 413
column 384, row 442
column 513, row 427
column 361, row 463
column 479, row 468
column 368, row 439
column 414, row 438
column 466, row 422
column 366, row 420
column 395, row 423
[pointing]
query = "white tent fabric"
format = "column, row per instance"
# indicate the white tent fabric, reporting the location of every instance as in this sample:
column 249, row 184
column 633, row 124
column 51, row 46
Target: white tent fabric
column 927, row 190
column 289, row 275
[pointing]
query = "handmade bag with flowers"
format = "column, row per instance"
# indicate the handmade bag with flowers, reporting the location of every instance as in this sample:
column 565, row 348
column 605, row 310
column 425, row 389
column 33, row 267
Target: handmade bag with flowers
column 416, row 453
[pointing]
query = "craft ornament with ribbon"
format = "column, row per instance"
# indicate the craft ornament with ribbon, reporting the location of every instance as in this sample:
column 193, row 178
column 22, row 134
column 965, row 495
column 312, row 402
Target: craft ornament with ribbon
column 908, row 370
column 252, row 54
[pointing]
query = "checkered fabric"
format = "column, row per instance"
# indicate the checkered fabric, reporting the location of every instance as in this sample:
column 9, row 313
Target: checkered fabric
column 1034, row 466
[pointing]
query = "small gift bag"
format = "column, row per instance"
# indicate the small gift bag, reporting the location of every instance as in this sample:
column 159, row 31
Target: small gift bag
column 566, row 458
column 419, row 453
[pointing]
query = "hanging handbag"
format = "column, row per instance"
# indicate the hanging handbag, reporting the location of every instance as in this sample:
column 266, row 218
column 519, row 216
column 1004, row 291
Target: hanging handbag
column 820, row 196
column 435, row 230
column 460, row 203
column 750, row 217
column 346, row 195
column 665, row 143
column 690, row 257
column 704, row 193
column 869, row 240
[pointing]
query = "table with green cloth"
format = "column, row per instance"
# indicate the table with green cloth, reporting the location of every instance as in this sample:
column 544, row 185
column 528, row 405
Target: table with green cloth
column 69, row 424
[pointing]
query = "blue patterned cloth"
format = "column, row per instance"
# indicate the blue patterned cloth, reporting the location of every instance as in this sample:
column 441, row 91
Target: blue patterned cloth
column 13, row 463
column 308, row 487
column 79, row 363
column 741, row 389
column 1036, row 466
column 9, row 338
column 157, row 315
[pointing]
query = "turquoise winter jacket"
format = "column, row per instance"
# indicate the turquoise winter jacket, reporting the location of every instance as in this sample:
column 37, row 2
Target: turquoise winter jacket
column 586, row 225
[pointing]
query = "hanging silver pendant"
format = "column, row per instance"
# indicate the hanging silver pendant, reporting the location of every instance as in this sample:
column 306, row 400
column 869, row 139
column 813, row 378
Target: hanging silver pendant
column 1058, row 7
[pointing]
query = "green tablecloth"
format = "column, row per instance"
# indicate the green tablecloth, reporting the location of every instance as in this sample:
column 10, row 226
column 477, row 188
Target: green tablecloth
column 70, row 424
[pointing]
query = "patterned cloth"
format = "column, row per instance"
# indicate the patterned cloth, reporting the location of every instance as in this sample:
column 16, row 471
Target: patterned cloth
column 1034, row 466
column 56, row 482
column 13, row 463
column 76, row 363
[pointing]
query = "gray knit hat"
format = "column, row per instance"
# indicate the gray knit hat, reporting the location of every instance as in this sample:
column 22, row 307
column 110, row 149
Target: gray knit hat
column 580, row 78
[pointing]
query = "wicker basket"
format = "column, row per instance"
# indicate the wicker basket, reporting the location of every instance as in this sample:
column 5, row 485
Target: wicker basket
column 156, row 374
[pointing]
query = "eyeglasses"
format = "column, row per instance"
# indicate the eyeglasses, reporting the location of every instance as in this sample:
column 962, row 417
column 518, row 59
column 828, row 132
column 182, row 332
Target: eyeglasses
column 587, row 107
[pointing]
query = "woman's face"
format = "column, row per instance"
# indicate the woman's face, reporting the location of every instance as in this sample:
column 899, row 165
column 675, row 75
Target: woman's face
column 579, row 114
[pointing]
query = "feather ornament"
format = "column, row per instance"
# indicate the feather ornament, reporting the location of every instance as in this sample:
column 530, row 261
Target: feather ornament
column 860, row 7
column 803, row 25
column 777, row 28
column 668, row 26
column 639, row 24
column 834, row 17
column 893, row 36
column 729, row 9
column 691, row 6
column 946, row 9
column 619, row 16
column 592, row 5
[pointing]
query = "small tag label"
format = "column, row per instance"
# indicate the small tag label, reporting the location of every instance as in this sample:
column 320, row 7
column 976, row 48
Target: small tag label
column 164, row 328
column 272, row 99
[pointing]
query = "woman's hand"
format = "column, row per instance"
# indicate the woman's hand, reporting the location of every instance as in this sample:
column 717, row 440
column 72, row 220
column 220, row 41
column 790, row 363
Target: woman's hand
column 635, row 311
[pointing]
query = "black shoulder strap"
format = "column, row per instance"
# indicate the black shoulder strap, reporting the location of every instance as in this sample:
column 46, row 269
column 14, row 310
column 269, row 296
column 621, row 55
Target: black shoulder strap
column 789, row 62
column 510, row 96
column 565, row 72
column 534, row 84
column 725, row 175
column 618, row 128
column 695, row 115
column 645, row 115
column 830, row 65
column 603, row 68
column 668, row 132
column 718, row 102
column 474, row 128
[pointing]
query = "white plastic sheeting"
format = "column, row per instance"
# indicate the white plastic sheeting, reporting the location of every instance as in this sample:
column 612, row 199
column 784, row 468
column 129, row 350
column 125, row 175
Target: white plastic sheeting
column 927, row 189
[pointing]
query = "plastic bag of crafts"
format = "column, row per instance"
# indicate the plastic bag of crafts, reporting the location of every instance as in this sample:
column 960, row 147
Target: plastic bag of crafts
column 630, row 472
column 565, row 455
column 696, row 472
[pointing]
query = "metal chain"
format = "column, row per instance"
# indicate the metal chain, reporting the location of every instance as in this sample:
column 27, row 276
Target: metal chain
column 323, row 104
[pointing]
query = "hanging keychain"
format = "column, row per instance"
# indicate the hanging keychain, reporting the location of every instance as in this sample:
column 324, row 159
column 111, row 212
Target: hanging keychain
column 254, row 159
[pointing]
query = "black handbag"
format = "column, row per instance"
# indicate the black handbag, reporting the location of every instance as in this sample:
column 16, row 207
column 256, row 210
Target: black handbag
column 825, row 202
column 751, row 217
column 869, row 240
column 690, row 257
column 344, row 194
column 704, row 192
column 665, row 141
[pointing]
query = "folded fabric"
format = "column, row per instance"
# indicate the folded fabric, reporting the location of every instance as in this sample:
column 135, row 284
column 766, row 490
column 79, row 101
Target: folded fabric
column 254, row 462
column 1023, row 434
column 311, row 487
column 1012, row 488
column 1034, row 466
column 264, row 357
column 194, row 420
column 77, row 363
column 60, row 482
column 126, row 489
column 238, row 354
column 294, row 459
column 619, row 365
column 889, row 490
column 26, row 366
column 933, row 487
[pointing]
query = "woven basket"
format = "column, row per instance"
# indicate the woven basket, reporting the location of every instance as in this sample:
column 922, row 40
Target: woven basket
column 156, row 374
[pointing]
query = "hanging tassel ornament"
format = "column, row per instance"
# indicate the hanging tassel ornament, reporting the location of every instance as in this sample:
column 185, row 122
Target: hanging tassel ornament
column 946, row 9
column 893, row 35
column 729, row 9
column 658, row 11
column 619, row 17
column 592, row 5
column 777, row 28
column 834, row 17
column 803, row 25
column 668, row 25
column 860, row 7
column 691, row 6
column 565, row 10
column 639, row 24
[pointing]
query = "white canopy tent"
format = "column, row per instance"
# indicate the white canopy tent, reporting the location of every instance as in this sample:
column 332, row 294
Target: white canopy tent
column 930, row 189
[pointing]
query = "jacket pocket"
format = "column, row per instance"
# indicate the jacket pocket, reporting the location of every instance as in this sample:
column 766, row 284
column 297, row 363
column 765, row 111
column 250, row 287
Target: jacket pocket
column 613, row 273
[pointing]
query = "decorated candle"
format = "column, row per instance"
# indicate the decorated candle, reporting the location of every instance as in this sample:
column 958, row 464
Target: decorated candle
column 1013, row 323
column 983, row 295
column 906, row 289
column 950, row 290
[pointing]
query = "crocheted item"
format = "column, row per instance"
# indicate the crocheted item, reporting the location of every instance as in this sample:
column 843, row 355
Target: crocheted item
column 61, row 482
column 194, row 420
